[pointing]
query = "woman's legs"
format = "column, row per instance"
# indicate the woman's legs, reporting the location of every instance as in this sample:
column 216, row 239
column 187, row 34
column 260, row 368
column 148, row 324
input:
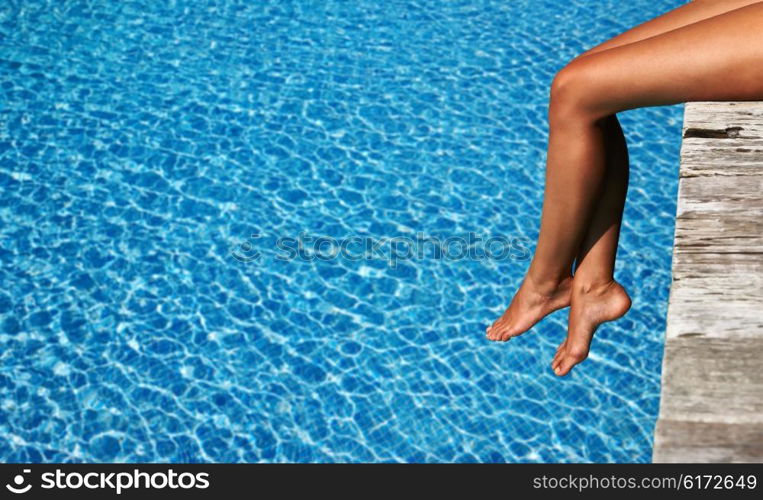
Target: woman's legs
column 537, row 297
column 595, row 262
column 715, row 59
column 688, row 63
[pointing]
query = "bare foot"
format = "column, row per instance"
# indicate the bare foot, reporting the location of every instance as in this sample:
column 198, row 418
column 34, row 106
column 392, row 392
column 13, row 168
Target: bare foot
column 590, row 307
column 530, row 304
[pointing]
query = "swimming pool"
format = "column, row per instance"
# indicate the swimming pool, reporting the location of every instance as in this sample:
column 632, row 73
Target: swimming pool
column 159, row 162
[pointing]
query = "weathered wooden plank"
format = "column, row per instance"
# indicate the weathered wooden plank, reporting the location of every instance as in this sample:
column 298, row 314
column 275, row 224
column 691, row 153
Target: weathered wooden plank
column 718, row 233
column 735, row 150
column 713, row 380
column 708, row 309
column 699, row 442
column 711, row 408
column 723, row 194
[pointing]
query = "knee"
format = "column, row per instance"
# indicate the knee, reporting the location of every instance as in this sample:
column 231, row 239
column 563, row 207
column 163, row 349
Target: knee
column 572, row 91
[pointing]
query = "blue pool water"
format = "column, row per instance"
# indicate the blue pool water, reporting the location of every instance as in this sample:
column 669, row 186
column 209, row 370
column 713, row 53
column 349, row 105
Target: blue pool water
column 143, row 144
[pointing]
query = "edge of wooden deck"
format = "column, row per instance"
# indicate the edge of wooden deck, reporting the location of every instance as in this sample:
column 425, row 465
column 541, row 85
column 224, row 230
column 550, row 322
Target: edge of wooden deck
column 711, row 407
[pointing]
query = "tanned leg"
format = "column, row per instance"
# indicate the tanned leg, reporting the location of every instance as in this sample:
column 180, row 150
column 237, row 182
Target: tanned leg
column 595, row 263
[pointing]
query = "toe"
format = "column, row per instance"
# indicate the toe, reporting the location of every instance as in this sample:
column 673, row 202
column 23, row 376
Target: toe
column 497, row 329
column 564, row 366
column 497, row 333
column 558, row 354
column 492, row 333
column 572, row 356
column 555, row 366
column 506, row 334
column 493, row 329
column 555, row 361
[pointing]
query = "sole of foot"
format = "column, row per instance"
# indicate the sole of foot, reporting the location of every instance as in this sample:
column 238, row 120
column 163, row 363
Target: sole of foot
column 590, row 306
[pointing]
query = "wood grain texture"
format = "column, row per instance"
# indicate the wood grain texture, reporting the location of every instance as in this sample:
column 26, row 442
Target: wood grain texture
column 711, row 408
column 699, row 442
column 713, row 380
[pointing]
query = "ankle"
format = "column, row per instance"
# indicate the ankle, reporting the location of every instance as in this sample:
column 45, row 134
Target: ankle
column 585, row 284
column 547, row 285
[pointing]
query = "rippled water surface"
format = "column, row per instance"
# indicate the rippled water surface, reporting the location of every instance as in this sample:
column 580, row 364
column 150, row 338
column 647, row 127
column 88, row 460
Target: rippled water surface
column 153, row 153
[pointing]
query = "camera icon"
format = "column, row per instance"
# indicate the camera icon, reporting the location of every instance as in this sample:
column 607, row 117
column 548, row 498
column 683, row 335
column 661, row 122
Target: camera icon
column 18, row 483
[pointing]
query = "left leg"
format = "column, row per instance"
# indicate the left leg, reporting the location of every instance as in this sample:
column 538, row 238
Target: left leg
column 715, row 59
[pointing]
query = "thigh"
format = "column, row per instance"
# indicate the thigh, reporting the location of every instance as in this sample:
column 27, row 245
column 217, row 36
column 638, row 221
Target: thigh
column 718, row 59
column 692, row 12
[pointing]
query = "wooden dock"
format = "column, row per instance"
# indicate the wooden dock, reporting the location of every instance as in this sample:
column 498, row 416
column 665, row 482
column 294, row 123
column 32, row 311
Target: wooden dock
column 711, row 409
